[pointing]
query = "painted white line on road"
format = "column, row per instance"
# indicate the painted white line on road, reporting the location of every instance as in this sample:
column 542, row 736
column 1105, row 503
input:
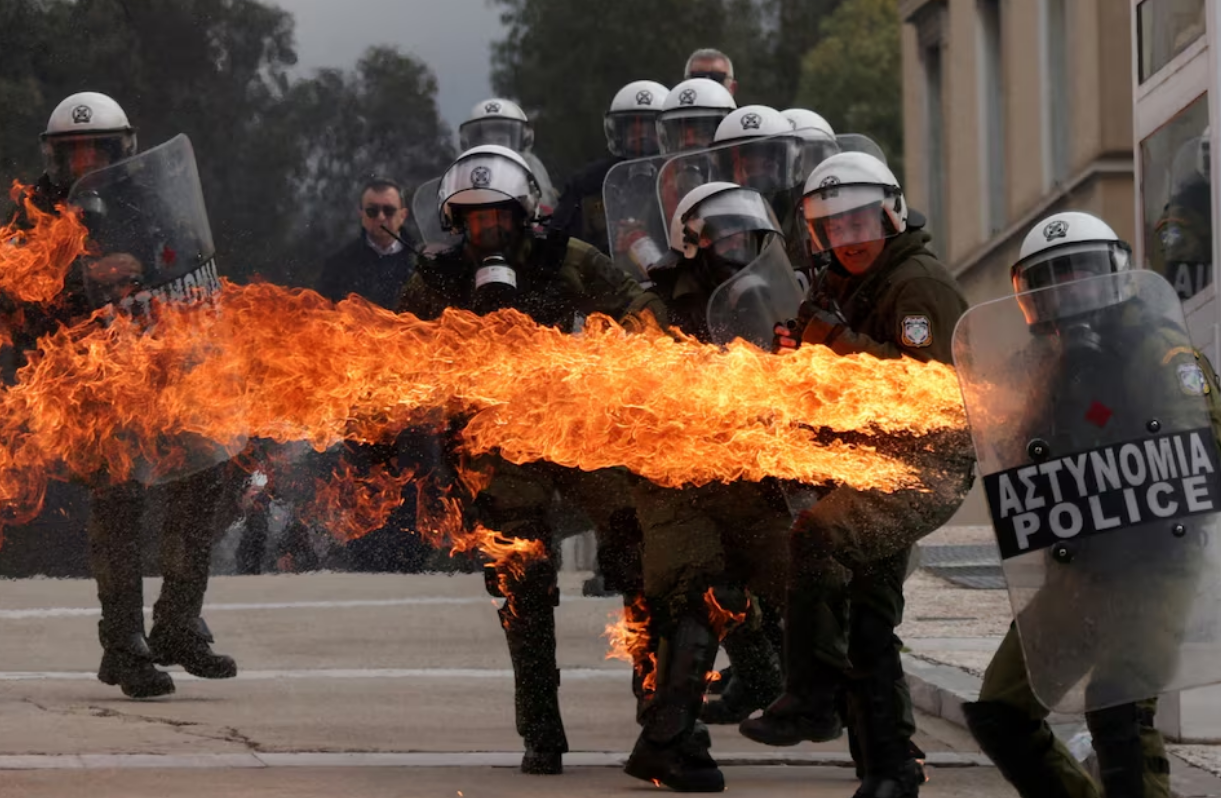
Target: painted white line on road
column 84, row 612
column 485, row 759
column 577, row 674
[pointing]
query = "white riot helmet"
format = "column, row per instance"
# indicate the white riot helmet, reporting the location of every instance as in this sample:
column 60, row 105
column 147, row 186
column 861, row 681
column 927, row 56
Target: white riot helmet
column 489, row 175
column 691, row 114
column 731, row 222
column 86, row 132
column 817, row 137
column 852, row 198
column 631, row 121
column 806, row 120
column 497, row 121
column 751, row 122
column 1069, row 247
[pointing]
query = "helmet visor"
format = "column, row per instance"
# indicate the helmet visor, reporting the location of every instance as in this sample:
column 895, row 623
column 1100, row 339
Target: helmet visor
column 632, row 134
column 509, row 133
column 69, row 158
column 726, row 215
column 688, row 129
column 767, row 165
column 1056, row 283
column 846, row 216
column 492, row 228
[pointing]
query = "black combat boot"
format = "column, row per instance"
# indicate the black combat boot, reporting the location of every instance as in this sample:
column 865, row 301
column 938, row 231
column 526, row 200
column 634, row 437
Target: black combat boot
column 126, row 662
column 808, row 709
column 180, row 636
column 115, row 559
column 1122, row 759
column 189, row 644
column 528, row 618
column 756, row 681
column 668, row 752
column 1023, row 750
column 890, row 769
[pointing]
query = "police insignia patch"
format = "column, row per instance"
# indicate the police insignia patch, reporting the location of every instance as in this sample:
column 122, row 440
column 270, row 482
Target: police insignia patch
column 1191, row 379
column 481, row 176
column 917, row 331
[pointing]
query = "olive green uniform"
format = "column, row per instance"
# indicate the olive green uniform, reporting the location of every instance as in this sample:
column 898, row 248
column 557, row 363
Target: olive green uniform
column 849, row 552
column 1138, row 358
column 555, row 282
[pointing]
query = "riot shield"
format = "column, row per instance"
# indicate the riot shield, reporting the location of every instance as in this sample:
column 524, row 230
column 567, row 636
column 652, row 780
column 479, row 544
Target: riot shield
column 152, row 243
column 775, row 166
column 750, row 304
column 425, row 209
column 635, row 227
column 1090, row 417
column 855, row 142
column 149, row 208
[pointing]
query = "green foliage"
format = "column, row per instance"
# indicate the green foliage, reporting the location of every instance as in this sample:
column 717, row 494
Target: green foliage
column 853, row 76
column 563, row 61
column 280, row 160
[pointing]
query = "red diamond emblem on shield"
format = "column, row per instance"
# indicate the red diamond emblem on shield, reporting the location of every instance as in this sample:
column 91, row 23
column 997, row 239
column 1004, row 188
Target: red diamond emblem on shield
column 168, row 256
column 1099, row 414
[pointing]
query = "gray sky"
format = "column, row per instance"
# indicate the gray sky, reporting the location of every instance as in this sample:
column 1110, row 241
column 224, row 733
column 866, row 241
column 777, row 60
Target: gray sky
column 452, row 36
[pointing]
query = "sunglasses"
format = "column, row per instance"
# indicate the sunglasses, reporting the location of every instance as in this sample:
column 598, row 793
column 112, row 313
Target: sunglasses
column 719, row 77
column 373, row 211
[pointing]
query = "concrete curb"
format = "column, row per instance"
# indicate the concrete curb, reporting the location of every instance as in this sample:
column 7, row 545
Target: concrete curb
column 941, row 690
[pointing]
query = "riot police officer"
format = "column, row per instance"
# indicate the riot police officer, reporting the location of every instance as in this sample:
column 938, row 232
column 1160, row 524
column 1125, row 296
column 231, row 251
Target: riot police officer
column 1107, row 620
column 884, row 294
column 722, row 540
column 490, row 198
column 631, row 132
column 87, row 132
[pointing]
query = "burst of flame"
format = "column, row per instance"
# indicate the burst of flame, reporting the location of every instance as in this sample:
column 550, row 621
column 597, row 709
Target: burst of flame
column 630, row 641
column 349, row 505
column 109, row 396
column 723, row 620
column 33, row 264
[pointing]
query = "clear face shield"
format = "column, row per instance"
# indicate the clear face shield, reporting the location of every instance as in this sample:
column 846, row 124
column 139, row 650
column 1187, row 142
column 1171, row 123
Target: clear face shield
column 731, row 230
column 67, row 159
column 685, row 129
column 770, row 166
column 512, row 133
column 491, row 229
column 1057, row 284
column 632, row 133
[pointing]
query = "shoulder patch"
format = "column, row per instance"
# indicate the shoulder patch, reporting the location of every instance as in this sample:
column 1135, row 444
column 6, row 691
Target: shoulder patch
column 1191, row 379
column 916, row 331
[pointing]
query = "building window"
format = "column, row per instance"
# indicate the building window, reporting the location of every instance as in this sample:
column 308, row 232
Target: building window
column 930, row 25
column 1176, row 200
column 992, row 112
column 1166, row 28
column 1056, row 88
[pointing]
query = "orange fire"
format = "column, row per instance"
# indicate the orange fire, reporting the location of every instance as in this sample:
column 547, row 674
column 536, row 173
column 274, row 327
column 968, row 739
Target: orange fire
column 631, row 641
column 33, row 264
column 723, row 621
column 350, row 505
column 286, row 364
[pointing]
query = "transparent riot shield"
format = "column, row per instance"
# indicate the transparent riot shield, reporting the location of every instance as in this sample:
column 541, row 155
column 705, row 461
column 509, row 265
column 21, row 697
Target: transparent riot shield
column 855, row 142
column 775, row 166
column 750, row 304
column 1090, row 417
column 425, row 209
column 151, row 244
column 635, row 227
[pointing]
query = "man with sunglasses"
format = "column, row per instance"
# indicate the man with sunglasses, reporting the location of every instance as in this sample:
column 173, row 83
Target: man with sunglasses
column 382, row 258
column 712, row 64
